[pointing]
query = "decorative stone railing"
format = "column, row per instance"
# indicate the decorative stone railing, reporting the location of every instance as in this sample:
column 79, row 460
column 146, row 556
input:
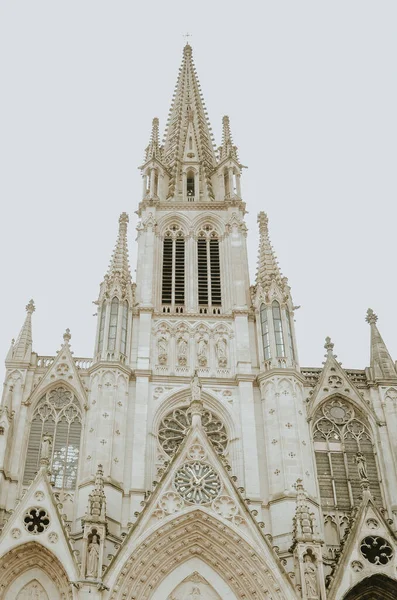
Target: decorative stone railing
column 43, row 362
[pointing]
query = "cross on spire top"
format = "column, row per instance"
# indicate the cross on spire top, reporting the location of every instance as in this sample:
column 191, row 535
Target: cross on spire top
column 187, row 36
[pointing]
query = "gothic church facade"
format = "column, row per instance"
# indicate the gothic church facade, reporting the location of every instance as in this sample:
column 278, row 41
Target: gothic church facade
column 192, row 457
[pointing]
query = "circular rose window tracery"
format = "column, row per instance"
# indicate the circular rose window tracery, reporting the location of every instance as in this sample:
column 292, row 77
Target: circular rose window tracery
column 174, row 426
column 376, row 550
column 197, row 483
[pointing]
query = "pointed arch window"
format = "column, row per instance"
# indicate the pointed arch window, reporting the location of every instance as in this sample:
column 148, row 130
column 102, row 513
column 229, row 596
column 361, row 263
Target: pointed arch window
column 209, row 271
column 124, row 329
column 190, row 184
column 58, row 415
column 278, row 329
column 101, row 327
column 340, row 431
column 114, row 315
column 173, row 276
column 289, row 334
column 265, row 333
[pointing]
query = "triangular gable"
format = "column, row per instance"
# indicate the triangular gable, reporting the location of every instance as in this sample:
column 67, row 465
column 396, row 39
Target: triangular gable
column 63, row 369
column 370, row 548
column 171, row 501
column 37, row 519
column 334, row 380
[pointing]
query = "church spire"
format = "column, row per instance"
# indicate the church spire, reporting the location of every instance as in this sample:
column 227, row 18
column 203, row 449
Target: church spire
column 227, row 150
column 22, row 349
column 188, row 116
column 382, row 365
column 119, row 264
column 154, row 149
column 268, row 269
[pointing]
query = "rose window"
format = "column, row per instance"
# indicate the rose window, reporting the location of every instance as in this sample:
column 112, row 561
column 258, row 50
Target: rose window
column 175, row 425
column 197, row 483
column 36, row 520
column 376, row 550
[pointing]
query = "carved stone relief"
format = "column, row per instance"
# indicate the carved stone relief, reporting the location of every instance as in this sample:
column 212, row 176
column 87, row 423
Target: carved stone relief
column 32, row 591
column 194, row 587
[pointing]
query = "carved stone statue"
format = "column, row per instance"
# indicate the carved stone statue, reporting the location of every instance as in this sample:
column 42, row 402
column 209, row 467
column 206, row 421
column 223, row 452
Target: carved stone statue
column 202, row 348
column 93, row 557
column 46, row 447
column 310, row 574
column 196, row 387
column 361, row 463
column 182, row 348
column 162, row 347
column 221, row 351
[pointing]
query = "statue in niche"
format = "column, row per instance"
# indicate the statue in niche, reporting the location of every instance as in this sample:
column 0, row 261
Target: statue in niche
column 182, row 347
column 361, row 463
column 221, row 351
column 202, row 348
column 93, row 557
column 162, row 347
column 310, row 575
column 46, row 447
column 196, row 387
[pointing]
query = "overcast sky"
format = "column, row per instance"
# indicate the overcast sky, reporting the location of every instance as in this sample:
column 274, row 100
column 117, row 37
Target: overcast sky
column 310, row 88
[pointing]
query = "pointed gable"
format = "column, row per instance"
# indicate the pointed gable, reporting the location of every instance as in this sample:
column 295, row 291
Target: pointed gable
column 37, row 519
column 196, row 493
column 370, row 548
column 63, row 369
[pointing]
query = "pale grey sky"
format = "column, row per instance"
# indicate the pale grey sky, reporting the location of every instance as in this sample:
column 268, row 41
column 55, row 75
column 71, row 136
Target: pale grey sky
column 310, row 88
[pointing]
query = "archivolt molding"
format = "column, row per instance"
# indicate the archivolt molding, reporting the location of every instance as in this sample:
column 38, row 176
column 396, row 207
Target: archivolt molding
column 29, row 556
column 197, row 534
column 182, row 398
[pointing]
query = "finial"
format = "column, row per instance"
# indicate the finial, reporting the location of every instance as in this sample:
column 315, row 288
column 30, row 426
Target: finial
column 67, row 336
column 263, row 222
column 123, row 219
column 187, row 51
column 371, row 317
column 329, row 346
column 30, row 307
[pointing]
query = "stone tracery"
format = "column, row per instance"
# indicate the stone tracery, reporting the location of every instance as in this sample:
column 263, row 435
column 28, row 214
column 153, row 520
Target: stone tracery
column 175, row 425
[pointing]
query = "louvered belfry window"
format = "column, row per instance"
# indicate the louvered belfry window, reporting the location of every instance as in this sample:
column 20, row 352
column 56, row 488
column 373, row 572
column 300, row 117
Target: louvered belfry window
column 101, row 327
column 340, row 432
column 57, row 414
column 173, row 276
column 278, row 329
column 208, row 269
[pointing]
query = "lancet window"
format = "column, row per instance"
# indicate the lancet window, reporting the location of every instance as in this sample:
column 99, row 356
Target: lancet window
column 265, row 333
column 209, row 271
column 173, row 276
column 190, row 185
column 344, row 455
column 57, row 416
column 101, row 327
column 289, row 334
column 114, row 316
column 124, row 329
column 278, row 329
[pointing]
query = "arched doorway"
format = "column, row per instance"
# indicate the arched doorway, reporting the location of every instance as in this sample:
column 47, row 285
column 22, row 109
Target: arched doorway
column 32, row 569
column 377, row 587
